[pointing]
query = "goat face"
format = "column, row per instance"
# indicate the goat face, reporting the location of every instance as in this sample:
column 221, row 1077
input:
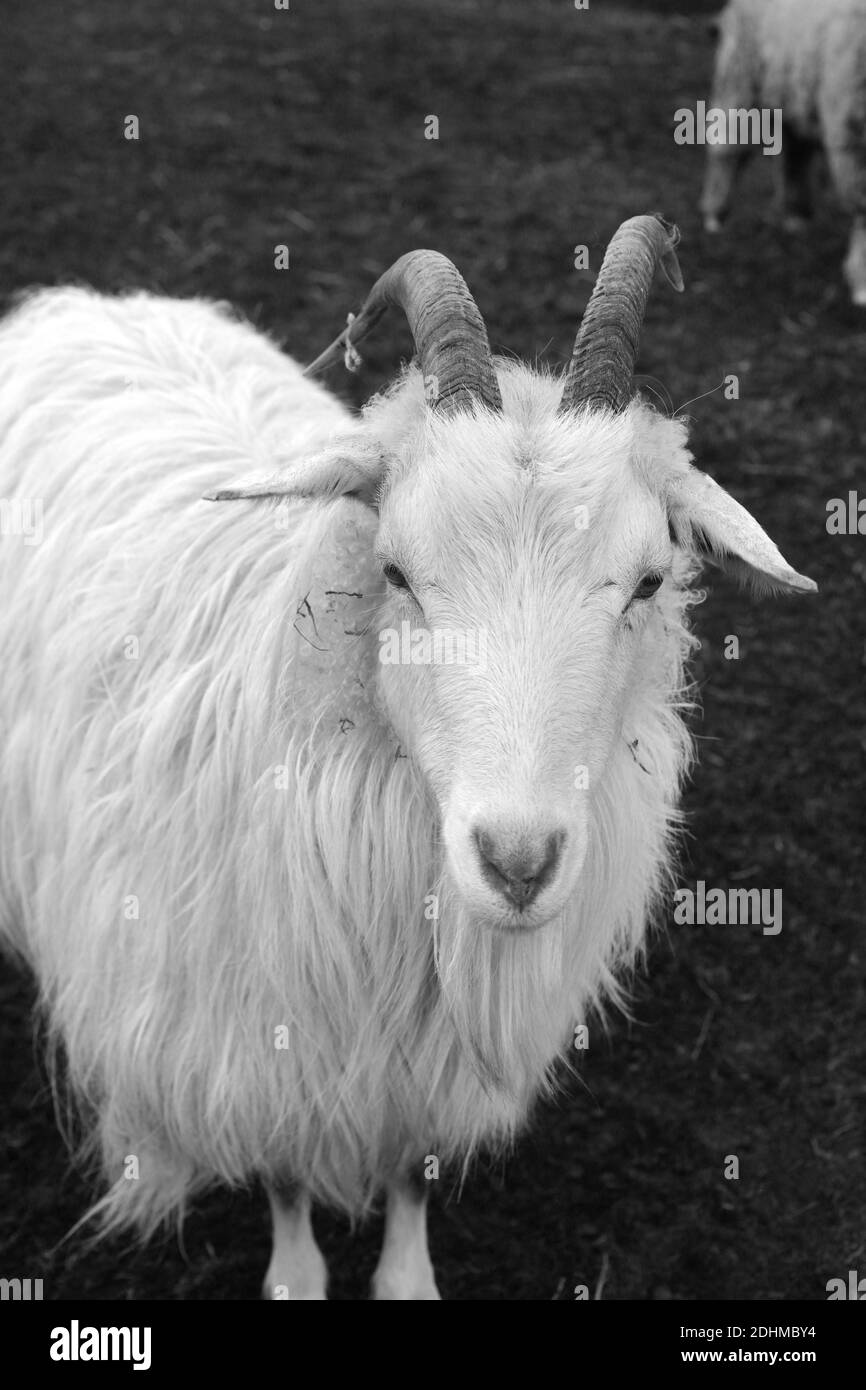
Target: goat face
column 524, row 561
column 534, row 570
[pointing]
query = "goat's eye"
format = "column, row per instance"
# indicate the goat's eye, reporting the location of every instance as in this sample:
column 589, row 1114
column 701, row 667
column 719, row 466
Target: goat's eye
column 395, row 576
column 649, row 585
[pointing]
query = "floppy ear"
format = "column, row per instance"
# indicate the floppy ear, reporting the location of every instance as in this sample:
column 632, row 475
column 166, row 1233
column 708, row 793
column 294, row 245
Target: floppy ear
column 348, row 467
column 706, row 518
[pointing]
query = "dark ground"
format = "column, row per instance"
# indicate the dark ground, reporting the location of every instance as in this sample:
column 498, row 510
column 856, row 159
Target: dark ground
column 260, row 127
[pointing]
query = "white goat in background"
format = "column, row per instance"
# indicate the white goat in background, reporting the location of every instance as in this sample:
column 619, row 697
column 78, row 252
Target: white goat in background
column 806, row 58
column 297, row 913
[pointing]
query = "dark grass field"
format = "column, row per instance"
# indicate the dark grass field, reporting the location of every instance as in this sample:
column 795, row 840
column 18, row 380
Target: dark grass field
column 260, row 127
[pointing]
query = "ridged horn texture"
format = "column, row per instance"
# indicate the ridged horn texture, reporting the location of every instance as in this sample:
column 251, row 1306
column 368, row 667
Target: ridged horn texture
column 449, row 333
column 606, row 346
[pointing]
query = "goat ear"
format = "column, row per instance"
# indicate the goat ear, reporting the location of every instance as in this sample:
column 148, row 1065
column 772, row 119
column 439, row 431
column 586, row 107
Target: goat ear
column 348, row 467
column 706, row 518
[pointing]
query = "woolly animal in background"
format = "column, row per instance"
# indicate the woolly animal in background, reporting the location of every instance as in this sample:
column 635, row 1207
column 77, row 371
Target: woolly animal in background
column 807, row 59
column 328, row 811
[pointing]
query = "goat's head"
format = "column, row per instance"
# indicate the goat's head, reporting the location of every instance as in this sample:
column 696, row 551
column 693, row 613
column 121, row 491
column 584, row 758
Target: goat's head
column 540, row 535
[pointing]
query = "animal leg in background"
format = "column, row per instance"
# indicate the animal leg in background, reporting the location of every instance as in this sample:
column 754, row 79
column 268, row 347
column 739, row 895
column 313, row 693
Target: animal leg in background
column 846, row 168
column 855, row 261
column 724, row 164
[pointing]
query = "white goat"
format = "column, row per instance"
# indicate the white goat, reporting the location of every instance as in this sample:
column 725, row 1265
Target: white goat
column 806, row 58
column 299, row 913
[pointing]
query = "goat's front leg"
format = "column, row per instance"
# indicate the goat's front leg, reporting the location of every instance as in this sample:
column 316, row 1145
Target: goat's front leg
column 297, row 1269
column 405, row 1270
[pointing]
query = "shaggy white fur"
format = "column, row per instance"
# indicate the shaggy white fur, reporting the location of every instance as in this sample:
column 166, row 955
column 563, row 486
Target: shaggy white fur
column 222, row 818
column 808, row 60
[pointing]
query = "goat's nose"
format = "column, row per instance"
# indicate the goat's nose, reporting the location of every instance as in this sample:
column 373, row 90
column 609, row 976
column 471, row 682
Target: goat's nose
column 518, row 867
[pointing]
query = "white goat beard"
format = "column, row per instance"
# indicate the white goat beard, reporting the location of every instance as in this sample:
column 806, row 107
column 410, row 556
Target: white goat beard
column 504, row 993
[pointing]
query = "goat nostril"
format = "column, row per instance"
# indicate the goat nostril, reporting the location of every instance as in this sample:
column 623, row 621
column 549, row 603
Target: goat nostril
column 486, row 846
column 518, row 874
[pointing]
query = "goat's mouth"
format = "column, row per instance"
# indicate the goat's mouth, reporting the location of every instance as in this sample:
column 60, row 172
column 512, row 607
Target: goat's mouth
column 521, row 921
column 489, row 911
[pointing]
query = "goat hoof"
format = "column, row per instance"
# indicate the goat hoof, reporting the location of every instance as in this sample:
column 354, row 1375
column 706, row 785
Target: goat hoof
column 384, row 1291
column 278, row 1293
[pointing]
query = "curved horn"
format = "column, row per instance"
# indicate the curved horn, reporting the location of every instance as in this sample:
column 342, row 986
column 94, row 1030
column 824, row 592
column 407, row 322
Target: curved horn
column 449, row 333
column 606, row 345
